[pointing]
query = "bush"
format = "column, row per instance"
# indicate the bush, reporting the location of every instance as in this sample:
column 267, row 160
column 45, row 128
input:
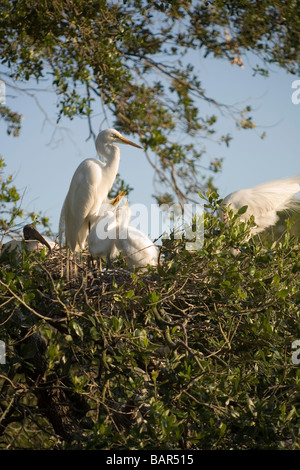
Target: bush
column 196, row 354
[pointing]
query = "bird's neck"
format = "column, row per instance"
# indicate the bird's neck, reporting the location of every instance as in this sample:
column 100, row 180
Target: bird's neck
column 112, row 155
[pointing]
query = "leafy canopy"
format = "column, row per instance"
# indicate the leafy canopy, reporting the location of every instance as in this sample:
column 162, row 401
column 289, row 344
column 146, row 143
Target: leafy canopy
column 133, row 59
column 195, row 355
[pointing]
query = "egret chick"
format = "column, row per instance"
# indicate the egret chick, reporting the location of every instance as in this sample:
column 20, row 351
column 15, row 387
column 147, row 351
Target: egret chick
column 135, row 245
column 102, row 237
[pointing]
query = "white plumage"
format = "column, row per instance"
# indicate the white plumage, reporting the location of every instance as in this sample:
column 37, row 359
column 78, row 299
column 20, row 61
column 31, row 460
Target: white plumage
column 138, row 249
column 102, row 236
column 89, row 188
column 264, row 201
column 112, row 234
column 135, row 245
column 18, row 245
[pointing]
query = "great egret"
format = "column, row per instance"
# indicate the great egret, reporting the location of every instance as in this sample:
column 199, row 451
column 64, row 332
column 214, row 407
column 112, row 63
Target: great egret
column 89, row 188
column 264, row 201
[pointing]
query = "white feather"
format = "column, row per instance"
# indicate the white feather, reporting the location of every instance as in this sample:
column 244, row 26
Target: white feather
column 264, row 201
column 89, row 188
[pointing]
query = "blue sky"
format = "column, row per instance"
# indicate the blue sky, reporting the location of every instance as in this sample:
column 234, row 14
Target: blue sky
column 43, row 163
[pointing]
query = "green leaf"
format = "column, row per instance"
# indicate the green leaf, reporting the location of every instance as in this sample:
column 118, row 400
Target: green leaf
column 283, row 293
column 154, row 296
column 77, row 328
column 242, row 210
column 117, row 323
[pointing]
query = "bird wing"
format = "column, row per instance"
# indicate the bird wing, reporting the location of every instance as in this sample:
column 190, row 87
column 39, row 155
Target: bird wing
column 265, row 200
column 83, row 201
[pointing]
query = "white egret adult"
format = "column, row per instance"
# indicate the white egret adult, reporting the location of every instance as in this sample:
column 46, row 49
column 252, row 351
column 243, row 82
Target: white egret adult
column 264, row 201
column 89, row 188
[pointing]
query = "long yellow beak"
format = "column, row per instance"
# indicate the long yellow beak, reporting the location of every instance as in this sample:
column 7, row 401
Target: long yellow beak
column 128, row 142
column 116, row 201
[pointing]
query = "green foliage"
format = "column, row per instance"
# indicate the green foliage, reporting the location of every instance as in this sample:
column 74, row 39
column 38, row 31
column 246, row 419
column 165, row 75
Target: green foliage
column 11, row 212
column 194, row 355
column 107, row 59
column 13, row 120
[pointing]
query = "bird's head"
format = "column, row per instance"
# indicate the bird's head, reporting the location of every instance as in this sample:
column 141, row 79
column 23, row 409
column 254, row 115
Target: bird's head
column 124, row 214
column 110, row 137
column 31, row 233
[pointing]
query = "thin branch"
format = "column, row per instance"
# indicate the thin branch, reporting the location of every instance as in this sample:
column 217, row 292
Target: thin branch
column 43, row 317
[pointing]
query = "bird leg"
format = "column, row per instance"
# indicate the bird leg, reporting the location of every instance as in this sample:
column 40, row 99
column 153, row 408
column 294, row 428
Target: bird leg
column 109, row 265
column 77, row 260
column 71, row 265
column 68, row 265
column 98, row 263
column 90, row 262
